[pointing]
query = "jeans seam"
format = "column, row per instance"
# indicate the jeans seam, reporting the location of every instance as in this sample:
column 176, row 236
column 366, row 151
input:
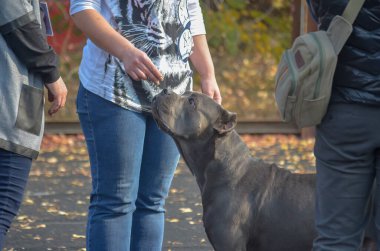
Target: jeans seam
column 91, row 129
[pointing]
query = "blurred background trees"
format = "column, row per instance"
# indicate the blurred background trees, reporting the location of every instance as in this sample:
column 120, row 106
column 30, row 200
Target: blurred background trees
column 246, row 39
column 68, row 42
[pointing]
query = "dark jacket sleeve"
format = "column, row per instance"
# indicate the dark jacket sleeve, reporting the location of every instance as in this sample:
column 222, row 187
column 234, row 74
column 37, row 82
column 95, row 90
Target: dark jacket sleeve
column 28, row 42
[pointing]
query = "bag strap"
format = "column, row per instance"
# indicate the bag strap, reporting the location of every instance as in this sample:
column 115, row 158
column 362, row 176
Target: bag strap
column 340, row 27
column 352, row 10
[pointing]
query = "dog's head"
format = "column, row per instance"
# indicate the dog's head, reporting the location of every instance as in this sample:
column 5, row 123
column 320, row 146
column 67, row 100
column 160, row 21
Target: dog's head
column 191, row 115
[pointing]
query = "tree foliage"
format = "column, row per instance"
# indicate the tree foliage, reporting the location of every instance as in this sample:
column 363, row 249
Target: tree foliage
column 235, row 26
column 246, row 40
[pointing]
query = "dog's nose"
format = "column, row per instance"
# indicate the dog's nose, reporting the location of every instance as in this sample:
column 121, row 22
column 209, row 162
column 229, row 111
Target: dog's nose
column 167, row 92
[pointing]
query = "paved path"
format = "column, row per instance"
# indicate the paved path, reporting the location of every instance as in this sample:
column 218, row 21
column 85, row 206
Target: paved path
column 53, row 214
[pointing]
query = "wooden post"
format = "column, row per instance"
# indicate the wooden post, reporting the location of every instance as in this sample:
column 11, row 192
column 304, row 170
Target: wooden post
column 296, row 13
column 308, row 132
column 311, row 24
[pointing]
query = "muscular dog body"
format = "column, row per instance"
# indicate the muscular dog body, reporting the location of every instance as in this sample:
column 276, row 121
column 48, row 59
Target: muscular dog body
column 247, row 204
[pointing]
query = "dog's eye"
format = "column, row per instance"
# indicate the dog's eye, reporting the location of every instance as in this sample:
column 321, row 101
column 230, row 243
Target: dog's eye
column 192, row 102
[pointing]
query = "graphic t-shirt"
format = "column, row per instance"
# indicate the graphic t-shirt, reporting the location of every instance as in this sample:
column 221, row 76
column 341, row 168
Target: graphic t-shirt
column 163, row 29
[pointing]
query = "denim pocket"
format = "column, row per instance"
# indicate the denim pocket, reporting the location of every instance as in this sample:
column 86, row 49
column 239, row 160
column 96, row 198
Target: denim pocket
column 30, row 109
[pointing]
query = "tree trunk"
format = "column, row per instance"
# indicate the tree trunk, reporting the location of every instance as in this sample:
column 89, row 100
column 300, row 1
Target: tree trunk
column 309, row 132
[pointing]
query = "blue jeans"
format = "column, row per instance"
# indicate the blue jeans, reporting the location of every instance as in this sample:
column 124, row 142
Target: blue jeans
column 132, row 166
column 14, row 172
column 347, row 150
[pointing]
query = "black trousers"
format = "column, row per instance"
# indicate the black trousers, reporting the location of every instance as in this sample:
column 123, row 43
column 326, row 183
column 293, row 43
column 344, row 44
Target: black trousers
column 348, row 161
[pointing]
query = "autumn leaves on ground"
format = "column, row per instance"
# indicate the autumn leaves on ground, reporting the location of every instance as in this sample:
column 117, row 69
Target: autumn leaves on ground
column 53, row 215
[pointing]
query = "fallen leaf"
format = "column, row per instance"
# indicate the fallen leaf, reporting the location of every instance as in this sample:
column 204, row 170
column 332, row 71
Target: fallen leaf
column 186, row 210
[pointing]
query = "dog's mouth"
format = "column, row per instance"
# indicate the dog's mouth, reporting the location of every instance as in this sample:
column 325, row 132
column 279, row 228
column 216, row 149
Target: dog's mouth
column 158, row 119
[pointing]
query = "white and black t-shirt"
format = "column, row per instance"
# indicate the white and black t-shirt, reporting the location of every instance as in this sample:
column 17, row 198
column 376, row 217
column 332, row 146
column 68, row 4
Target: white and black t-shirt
column 163, row 29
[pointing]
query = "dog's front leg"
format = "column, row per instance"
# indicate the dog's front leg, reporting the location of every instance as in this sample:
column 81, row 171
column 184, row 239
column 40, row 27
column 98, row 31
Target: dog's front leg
column 224, row 236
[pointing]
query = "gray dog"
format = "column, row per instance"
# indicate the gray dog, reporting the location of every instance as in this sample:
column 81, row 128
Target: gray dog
column 247, row 204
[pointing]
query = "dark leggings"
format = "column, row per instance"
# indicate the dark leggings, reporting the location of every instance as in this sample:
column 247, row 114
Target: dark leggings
column 14, row 172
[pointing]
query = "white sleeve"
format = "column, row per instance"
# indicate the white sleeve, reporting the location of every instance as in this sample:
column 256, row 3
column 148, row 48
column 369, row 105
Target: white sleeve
column 196, row 18
column 79, row 5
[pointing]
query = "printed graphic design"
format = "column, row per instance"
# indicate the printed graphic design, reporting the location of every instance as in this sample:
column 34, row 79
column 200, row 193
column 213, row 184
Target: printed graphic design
column 185, row 44
column 160, row 28
column 183, row 13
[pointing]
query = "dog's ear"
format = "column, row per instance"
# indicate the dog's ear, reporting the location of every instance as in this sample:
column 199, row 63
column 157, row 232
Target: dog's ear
column 226, row 121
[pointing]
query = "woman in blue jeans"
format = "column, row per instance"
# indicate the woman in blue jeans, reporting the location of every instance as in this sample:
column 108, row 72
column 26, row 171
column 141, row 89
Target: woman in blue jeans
column 136, row 48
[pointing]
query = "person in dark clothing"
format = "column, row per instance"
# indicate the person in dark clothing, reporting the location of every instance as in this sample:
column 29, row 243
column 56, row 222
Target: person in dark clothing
column 347, row 146
column 27, row 64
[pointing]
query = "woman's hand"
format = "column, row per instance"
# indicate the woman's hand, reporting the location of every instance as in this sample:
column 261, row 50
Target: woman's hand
column 136, row 63
column 210, row 88
column 202, row 62
column 139, row 66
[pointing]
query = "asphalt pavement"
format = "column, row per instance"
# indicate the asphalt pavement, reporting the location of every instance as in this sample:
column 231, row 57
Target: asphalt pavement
column 53, row 214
